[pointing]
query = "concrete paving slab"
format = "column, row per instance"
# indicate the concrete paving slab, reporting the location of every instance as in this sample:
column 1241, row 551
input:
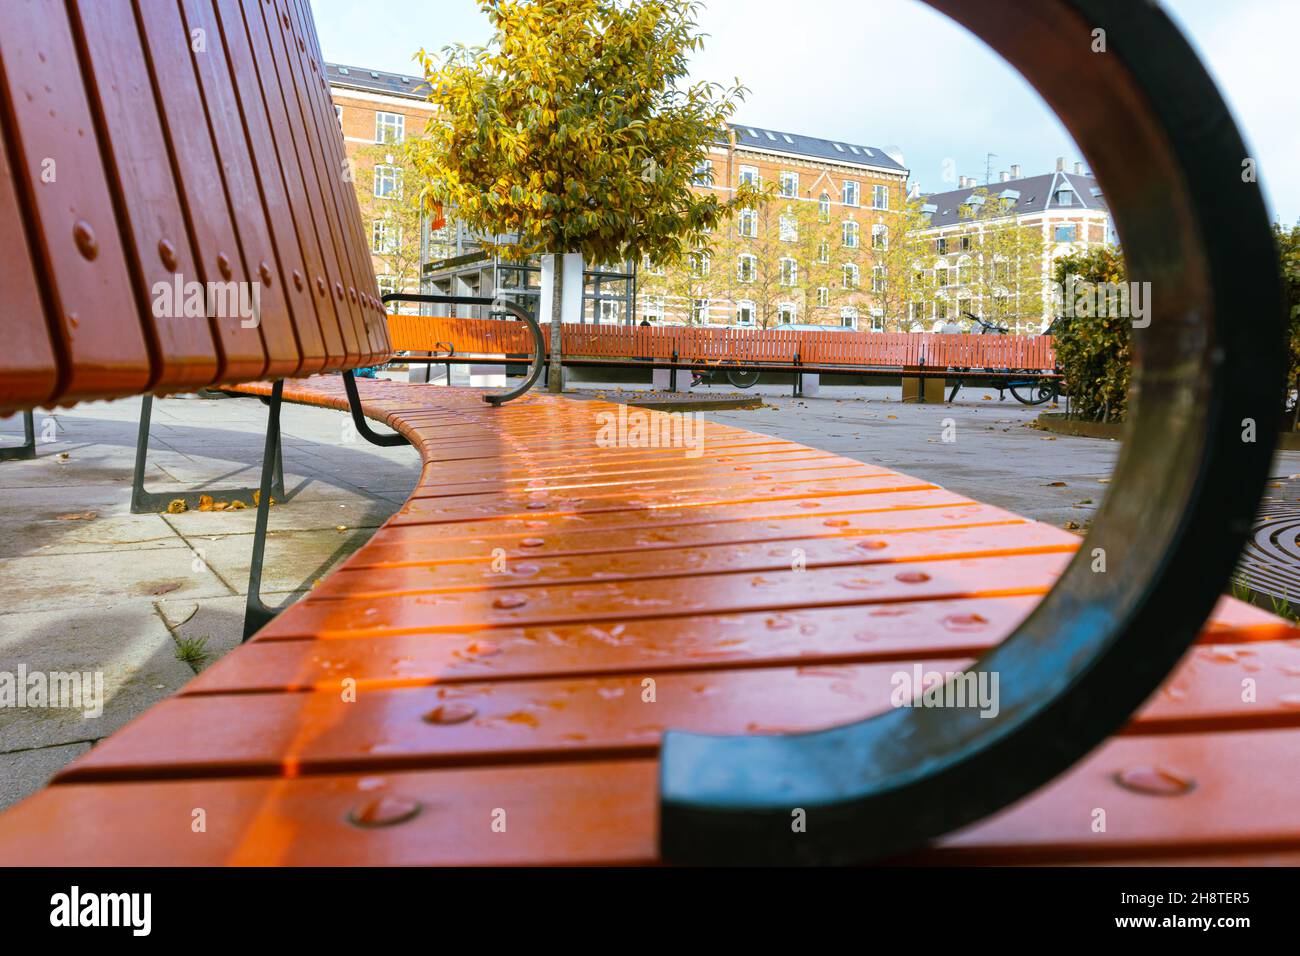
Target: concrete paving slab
column 127, row 644
column 26, row 771
column 293, row 561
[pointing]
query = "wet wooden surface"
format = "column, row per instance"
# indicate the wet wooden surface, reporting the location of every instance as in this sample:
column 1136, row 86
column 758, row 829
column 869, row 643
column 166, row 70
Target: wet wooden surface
column 487, row 680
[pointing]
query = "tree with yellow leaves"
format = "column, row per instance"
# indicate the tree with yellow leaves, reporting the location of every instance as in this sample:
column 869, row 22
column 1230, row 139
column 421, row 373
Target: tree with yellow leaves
column 574, row 130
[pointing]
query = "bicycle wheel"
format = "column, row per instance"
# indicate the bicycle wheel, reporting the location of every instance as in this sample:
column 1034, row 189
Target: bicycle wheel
column 742, row 378
column 1033, row 391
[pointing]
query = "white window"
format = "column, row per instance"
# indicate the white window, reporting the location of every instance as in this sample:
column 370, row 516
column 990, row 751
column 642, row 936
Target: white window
column 610, row 310
column 849, row 317
column 877, row 320
column 916, row 311
column 823, row 296
column 789, row 229
column 387, row 284
column 787, row 313
column 880, row 197
column 745, row 313
column 749, row 176
column 704, row 173
column 880, row 236
column 851, row 275
column 850, row 235
column 748, row 224
column 649, row 268
column 747, row 268
column 824, row 252
column 388, row 182
column 878, row 279
column 338, row 114
column 390, row 127
column 384, row 237
column 699, row 264
column 699, row 311
column 824, row 207
column 789, row 272
column 851, row 193
column 652, row 308
column 789, row 185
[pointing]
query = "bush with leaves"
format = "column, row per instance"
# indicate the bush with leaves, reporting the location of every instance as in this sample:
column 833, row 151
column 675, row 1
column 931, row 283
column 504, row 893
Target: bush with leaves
column 1094, row 351
column 1288, row 247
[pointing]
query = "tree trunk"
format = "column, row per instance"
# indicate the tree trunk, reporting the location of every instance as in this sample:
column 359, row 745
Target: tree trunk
column 555, row 375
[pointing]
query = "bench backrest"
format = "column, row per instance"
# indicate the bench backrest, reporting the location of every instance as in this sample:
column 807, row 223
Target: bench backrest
column 156, row 147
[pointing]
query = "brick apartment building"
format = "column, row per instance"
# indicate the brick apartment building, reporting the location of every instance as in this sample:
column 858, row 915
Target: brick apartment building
column 377, row 109
column 1064, row 209
column 843, row 192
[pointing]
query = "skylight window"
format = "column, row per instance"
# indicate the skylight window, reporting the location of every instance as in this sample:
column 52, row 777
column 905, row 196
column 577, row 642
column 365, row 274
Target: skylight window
column 839, row 147
column 855, row 151
column 788, row 139
column 770, row 135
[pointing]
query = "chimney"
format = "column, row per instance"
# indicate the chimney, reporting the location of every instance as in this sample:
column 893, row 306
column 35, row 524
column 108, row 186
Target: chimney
column 1060, row 164
column 1078, row 169
column 1015, row 171
column 1004, row 176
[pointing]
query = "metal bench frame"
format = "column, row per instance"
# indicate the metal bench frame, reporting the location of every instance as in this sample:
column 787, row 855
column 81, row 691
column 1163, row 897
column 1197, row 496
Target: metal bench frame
column 1185, row 490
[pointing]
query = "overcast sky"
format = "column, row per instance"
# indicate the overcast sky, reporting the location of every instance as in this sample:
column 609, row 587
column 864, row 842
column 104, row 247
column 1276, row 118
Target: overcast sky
column 894, row 73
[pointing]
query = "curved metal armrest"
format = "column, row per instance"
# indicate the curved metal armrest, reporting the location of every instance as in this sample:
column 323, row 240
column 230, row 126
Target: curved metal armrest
column 1207, row 371
column 539, row 343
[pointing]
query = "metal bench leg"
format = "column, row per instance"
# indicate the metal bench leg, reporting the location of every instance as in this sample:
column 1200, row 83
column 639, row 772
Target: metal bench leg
column 256, row 614
column 149, row 502
column 359, row 420
column 27, row 450
column 956, row 387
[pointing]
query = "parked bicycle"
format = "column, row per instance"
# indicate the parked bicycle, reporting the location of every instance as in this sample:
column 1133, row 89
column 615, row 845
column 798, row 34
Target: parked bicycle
column 1032, row 389
column 736, row 374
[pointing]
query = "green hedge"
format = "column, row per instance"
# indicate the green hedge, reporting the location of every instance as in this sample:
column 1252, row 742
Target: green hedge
column 1288, row 246
column 1093, row 352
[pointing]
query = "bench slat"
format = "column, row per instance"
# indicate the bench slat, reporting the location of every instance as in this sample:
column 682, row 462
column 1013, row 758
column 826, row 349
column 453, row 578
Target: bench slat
column 203, row 197
column 137, row 155
column 1242, row 809
column 55, row 158
column 29, row 373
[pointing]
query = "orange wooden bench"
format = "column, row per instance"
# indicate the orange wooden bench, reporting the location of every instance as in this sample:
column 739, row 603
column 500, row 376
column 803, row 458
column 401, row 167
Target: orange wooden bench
column 488, row 679
column 570, row 646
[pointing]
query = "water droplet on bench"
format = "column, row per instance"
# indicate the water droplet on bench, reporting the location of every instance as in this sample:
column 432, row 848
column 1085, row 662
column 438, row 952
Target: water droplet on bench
column 508, row 601
column 383, row 812
column 912, row 577
column 450, row 713
column 1155, row 781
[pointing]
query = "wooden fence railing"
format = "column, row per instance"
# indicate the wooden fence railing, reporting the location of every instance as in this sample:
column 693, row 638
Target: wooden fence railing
column 691, row 344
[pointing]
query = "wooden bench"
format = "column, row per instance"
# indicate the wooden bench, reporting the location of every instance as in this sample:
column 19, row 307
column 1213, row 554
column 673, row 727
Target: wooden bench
column 471, row 685
column 998, row 359
column 571, row 646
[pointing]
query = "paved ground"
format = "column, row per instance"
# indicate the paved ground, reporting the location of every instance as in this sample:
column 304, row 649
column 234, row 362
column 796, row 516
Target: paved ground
column 88, row 586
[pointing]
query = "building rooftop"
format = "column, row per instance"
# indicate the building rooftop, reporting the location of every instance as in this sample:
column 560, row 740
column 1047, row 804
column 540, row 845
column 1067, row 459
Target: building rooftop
column 1029, row 195
column 755, row 137
column 747, row 137
column 410, row 86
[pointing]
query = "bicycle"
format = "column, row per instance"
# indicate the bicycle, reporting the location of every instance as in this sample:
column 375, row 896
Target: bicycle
column 739, row 377
column 1037, row 389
